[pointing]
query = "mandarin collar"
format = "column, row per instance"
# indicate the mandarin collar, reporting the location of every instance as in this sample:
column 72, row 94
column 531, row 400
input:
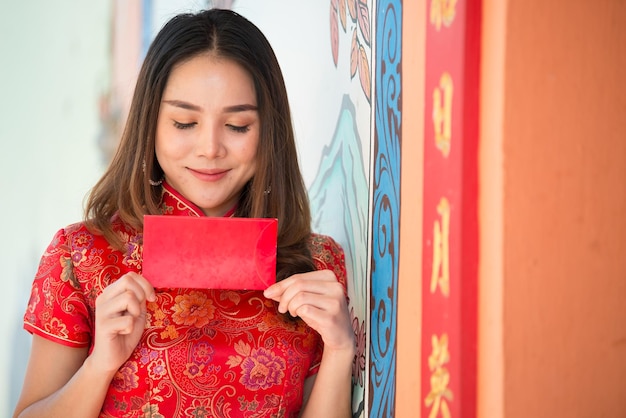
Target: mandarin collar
column 174, row 203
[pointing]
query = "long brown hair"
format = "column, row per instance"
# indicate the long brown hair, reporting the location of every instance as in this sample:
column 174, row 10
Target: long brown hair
column 277, row 189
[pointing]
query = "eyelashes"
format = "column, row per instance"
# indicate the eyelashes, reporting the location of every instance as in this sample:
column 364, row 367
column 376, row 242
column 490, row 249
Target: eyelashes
column 235, row 128
column 239, row 129
column 179, row 125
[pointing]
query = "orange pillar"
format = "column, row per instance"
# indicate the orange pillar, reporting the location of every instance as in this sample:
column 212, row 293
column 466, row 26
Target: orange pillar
column 553, row 231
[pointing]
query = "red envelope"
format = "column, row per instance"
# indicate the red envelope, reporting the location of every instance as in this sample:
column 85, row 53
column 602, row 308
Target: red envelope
column 210, row 253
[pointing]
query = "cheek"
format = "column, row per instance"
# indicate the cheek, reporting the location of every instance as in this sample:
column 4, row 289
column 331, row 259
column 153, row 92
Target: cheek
column 168, row 146
column 250, row 157
column 251, row 154
column 251, row 150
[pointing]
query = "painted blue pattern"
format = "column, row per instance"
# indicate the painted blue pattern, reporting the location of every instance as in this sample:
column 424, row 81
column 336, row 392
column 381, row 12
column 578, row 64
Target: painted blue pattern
column 386, row 208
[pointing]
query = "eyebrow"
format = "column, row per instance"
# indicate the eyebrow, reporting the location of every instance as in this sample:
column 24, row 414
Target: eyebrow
column 228, row 109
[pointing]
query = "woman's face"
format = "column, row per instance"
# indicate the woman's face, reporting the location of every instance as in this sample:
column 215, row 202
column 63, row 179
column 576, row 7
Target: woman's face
column 208, row 132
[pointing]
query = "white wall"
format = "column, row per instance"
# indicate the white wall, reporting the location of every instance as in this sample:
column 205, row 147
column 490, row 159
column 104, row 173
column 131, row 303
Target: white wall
column 54, row 68
column 299, row 32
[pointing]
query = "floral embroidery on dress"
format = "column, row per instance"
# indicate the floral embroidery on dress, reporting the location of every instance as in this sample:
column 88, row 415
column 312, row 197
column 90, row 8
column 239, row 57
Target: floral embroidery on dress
column 126, row 377
column 193, row 370
column 151, row 411
column 67, row 274
column 193, row 309
column 147, row 355
column 262, row 370
column 56, row 327
column 132, row 256
column 199, row 409
column 358, row 366
column 271, row 321
column 82, row 241
column 204, row 353
column 157, row 369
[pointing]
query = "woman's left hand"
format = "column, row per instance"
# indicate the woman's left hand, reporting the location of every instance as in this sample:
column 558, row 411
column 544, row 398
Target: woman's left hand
column 318, row 298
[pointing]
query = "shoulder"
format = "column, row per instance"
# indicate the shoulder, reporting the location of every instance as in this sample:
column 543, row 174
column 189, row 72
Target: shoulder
column 65, row 237
column 68, row 247
column 320, row 244
column 79, row 237
column 73, row 235
column 327, row 254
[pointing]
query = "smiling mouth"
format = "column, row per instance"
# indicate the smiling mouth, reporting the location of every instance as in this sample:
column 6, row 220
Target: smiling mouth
column 209, row 175
column 209, row 171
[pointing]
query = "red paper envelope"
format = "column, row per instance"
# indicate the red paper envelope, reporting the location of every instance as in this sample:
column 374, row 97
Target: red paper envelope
column 210, row 253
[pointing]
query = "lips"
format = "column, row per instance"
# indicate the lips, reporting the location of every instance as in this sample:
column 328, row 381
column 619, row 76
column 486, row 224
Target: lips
column 213, row 174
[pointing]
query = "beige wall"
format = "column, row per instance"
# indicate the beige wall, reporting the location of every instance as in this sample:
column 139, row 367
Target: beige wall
column 553, row 164
column 408, row 379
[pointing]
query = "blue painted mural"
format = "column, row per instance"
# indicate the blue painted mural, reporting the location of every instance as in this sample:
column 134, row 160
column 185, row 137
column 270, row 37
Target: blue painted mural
column 385, row 208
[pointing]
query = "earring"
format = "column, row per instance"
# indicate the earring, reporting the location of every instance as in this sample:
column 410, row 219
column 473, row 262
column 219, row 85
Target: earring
column 152, row 182
column 268, row 190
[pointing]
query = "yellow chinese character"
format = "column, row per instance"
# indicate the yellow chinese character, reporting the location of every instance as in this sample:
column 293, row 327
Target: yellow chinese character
column 442, row 113
column 439, row 395
column 441, row 250
column 442, row 11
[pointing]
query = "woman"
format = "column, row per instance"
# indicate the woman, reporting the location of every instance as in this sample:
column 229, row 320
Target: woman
column 209, row 134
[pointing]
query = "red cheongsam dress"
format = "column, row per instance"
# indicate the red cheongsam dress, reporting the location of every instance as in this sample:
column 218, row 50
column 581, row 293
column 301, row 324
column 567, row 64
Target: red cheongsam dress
column 204, row 353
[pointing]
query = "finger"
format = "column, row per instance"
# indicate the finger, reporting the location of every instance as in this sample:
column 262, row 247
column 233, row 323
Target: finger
column 121, row 304
column 308, row 289
column 147, row 287
column 316, row 317
column 139, row 285
column 277, row 289
column 333, row 304
column 334, row 328
column 121, row 325
column 133, row 282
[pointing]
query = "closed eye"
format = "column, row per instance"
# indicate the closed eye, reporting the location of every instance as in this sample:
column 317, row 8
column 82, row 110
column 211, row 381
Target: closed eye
column 240, row 129
column 179, row 125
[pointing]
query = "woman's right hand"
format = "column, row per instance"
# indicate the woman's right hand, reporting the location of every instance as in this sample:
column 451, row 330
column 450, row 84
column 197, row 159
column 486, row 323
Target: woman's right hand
column 120, row 320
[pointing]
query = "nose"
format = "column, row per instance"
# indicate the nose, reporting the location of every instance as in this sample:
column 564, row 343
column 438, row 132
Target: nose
column 210, row 144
